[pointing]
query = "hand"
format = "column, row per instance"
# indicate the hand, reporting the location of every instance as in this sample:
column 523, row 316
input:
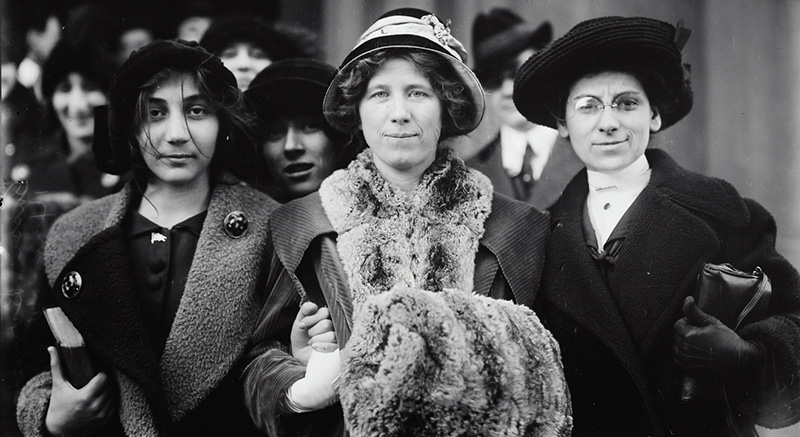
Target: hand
column 78, row 411
column 312, row 330
column 704, row 346
column 317, row 389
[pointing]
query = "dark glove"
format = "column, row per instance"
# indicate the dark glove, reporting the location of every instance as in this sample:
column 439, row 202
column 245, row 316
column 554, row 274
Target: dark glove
column 705, row 347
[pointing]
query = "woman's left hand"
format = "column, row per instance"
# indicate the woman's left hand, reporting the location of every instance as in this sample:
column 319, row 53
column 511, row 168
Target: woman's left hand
column 312, row 330
column 705, row 347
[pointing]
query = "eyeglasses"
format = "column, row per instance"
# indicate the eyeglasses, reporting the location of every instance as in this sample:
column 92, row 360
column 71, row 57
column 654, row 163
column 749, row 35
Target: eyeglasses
column 591, row 106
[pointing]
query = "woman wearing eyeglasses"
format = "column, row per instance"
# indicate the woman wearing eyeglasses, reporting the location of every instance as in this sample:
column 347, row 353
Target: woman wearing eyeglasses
column 630, row 235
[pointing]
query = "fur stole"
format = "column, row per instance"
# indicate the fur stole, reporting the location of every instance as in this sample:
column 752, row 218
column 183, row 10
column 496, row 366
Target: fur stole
column 386, row 240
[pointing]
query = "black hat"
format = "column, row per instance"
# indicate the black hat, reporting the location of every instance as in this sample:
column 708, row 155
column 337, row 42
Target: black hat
column 500, row 34
column 111, row 148
column 600, row 44
column 415, row 29
column 290, row 87
column 279, row 42
column 68, row 57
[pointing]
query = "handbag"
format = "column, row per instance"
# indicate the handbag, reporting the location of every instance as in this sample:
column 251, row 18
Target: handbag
column 736, row 298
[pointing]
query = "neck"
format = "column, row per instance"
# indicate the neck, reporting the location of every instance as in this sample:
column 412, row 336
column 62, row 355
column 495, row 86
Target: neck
column 169, row 204
column 79, row 145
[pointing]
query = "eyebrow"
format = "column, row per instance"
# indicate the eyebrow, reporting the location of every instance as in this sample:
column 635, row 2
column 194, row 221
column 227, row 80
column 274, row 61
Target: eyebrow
column 194, row 98
column 616, row 96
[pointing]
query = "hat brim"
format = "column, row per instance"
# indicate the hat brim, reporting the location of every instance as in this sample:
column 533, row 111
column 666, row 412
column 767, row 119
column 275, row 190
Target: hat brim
column 413, row 42
column 602, row 44
column 287, row 97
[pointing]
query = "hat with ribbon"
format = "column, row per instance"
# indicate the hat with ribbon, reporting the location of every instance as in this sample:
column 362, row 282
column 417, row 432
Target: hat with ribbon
column 641, row 46
column 111, row 148
column 410, row 28
column 500, row 34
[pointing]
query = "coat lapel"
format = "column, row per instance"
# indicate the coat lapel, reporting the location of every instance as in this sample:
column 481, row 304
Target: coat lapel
column 219, row 306
column 562, row 165
column 106, row 311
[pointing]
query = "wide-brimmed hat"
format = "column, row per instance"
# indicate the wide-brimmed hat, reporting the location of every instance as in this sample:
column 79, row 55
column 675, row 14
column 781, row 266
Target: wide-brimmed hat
column 110, row 147
column 500, row 34
column 290, row 87
column 409, row 28
column 606, row 43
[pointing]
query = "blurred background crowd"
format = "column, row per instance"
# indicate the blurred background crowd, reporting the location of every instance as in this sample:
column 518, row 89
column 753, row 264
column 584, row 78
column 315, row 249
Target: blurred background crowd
column 59, row 56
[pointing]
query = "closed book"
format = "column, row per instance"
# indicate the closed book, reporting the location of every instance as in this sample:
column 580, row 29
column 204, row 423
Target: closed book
column 75, row 360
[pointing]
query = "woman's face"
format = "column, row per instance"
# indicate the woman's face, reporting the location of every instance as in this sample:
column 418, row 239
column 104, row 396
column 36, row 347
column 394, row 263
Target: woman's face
column 609, row 138
column 73, row 101
column 179, row 135
column 401, row 118
column 245, row 60
column 299, row 156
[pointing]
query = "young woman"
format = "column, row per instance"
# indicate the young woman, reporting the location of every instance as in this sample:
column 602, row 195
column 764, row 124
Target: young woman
column 299, row 149
column 406, row 247
column 632, row 231
column 161, row 279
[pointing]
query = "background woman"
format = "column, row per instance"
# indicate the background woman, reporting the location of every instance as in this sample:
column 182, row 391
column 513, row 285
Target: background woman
column 299, row 149
column 161, row 279
column 630, row 235
column 407, row 223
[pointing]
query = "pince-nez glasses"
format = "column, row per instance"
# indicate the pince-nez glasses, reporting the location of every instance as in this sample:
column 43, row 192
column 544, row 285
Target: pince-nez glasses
column 591, row 106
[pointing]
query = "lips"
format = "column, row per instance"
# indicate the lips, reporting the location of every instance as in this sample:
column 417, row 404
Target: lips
column 401, row 135
column 298, row 170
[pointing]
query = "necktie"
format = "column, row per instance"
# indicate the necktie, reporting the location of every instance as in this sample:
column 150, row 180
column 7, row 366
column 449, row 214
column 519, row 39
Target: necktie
column 525, row 177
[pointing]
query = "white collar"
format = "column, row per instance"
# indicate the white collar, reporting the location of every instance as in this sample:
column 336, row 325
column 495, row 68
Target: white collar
column 513, row 143
column 632, row 177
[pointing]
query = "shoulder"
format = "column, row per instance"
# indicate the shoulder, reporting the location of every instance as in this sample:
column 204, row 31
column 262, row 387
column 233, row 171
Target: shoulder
column 703, row 194
column 509, row 214
column 295, row 225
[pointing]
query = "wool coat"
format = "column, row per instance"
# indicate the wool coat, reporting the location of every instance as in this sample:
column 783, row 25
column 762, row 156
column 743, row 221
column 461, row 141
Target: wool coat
column 617, row 346
column 508, row 264
column 192, row 389
column 561, row 167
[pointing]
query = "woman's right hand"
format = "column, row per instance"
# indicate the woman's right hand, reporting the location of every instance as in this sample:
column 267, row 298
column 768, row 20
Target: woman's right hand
column 78, row 411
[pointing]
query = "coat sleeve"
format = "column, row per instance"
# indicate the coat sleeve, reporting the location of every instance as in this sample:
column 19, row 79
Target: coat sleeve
column 32, row 405
column 778, row 403
column 271, row 369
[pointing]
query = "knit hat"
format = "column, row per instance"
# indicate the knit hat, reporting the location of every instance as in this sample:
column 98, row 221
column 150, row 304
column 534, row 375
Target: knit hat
column 501, row 34
column 411, row 29
column 290, row 87
column 601, row 44
column 111, row 147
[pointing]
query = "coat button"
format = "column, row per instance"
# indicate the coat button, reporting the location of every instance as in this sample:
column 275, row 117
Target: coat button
column 235, row 224
column 71, row 285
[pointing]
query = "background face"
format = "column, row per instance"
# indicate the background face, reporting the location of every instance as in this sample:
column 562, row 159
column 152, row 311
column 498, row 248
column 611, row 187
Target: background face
column 612, row 139
column 179, row 137
column 299, row 156
column 74, row 99
column 401, row 118
column 245, row 60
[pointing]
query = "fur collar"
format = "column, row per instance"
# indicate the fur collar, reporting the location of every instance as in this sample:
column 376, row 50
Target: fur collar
column 385, row 240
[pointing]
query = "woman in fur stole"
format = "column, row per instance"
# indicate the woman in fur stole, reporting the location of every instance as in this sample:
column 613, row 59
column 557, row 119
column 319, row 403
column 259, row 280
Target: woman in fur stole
column 162, row 279
column 426, row 273
column 632, row 231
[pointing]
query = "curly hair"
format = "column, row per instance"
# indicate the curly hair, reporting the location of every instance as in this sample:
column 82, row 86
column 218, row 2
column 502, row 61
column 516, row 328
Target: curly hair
column 235, row 147
column 455, row 97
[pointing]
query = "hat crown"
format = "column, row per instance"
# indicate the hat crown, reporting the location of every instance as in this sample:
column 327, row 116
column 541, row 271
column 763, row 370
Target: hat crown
column 492, row 23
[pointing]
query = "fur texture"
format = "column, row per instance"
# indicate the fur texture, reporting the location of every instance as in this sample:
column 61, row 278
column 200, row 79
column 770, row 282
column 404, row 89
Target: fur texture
column 451, row 363
column 385, row 240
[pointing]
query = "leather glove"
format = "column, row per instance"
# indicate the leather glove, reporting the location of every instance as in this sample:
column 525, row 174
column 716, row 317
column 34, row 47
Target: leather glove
column 317, row 389
column 705, row 347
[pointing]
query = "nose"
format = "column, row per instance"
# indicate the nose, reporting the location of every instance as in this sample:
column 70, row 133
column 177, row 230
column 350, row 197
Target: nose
column 399, row 111
column 608, row 121
column 294, row 145
column 78, row 103
column 177, row 130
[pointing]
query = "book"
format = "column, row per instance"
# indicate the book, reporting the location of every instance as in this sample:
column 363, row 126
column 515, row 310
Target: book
column 75, row 360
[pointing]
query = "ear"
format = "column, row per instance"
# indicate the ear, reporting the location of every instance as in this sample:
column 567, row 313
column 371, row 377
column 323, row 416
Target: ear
column 562, row 129
column 655, row 121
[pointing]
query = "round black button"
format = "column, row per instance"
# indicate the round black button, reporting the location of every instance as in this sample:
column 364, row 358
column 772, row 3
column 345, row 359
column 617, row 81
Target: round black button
column 71, row 285
column 235, row 224
column 154, row 282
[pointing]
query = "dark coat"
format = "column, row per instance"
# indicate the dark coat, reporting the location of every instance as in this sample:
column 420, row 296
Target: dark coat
column 617, row 352
column 193, row 389
column 560, row 168
column 508, row 265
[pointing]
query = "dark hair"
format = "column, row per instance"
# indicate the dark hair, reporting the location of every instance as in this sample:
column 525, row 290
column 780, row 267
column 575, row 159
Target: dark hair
column 454, row 95
column 654, row 83
column 234, row 141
